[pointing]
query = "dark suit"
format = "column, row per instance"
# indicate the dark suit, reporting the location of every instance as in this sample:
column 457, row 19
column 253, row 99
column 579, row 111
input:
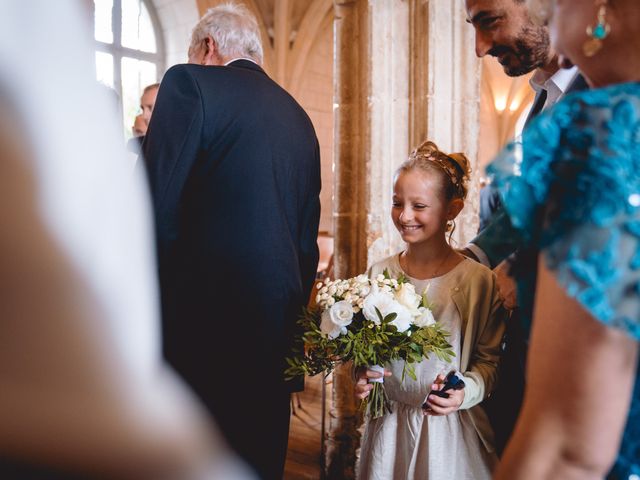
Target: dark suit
column 498, row 240
column 234, row 168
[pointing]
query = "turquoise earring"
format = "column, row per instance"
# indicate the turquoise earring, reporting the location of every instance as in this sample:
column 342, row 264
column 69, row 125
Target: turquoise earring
column 597, row 33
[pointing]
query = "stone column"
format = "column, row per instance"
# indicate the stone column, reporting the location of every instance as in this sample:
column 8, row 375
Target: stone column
column 351, row 138
column 371, row 140
column 453, row 98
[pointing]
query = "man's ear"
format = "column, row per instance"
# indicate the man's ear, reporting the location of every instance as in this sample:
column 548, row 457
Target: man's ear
column 210, row 48
column 455, row 207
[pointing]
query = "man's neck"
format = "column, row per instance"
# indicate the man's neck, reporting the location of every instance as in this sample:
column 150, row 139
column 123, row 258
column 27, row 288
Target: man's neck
column 550, row 69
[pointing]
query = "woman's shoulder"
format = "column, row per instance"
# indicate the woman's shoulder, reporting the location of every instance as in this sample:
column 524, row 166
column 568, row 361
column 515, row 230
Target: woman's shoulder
column 581, row 157
column 573, row 190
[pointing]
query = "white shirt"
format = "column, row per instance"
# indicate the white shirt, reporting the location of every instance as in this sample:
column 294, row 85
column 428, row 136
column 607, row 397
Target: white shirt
column 556, row 85
column 240, row 58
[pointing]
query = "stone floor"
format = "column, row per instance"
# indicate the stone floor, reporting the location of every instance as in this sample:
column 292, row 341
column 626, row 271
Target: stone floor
column 304, row 454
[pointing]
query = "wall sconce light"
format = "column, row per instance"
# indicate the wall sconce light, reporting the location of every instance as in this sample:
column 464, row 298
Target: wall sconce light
column 500, row 103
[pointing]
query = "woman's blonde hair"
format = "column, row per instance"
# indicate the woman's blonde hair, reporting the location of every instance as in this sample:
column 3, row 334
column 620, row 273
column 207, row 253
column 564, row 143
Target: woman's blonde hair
column 453, row 169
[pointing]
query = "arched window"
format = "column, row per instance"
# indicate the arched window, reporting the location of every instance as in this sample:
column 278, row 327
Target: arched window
column 129, row 50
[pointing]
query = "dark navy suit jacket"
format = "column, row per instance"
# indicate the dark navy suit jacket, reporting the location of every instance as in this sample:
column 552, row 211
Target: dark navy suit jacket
column 234, row 171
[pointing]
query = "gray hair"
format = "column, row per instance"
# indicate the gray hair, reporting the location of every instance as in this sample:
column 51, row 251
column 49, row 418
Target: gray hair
column 233, row 28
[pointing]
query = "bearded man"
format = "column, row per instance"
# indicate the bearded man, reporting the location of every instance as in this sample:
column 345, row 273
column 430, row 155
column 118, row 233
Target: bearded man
column 505, row 30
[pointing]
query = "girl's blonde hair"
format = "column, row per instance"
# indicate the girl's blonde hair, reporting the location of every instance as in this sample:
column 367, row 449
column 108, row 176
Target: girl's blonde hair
column 453, row 169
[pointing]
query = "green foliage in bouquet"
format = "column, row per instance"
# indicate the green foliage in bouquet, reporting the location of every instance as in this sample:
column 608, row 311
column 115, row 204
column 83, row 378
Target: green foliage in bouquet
column 368, row 322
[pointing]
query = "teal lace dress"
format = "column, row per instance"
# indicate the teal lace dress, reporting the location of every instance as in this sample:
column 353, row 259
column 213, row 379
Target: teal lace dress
column 572, row 190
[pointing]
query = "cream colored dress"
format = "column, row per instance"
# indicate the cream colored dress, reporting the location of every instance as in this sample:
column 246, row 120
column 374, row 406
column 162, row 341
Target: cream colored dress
column 405, row 444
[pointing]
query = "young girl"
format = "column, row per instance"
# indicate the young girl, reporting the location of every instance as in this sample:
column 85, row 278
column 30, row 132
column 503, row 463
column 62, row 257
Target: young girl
column 426, row 436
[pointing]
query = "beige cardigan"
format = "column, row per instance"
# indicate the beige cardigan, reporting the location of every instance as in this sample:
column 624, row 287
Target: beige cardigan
column 483, row 322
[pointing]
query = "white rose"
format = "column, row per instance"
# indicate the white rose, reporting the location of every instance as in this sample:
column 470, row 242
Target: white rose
column 425, row 319
column 328, row 327
column 407, row 296
column 404, row 318
column 341, row 313
column 380, row 300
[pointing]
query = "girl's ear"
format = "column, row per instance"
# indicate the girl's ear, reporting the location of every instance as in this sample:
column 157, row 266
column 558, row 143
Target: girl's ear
column 455, row 207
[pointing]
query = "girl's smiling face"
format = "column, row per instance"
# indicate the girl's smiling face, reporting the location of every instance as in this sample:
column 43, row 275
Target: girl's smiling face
column 420, row 212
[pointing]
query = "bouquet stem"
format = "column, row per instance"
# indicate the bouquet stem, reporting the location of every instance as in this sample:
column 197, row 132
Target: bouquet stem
column 377, row 403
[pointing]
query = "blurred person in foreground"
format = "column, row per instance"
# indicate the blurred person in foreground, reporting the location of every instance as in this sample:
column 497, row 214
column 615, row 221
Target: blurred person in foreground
column 83, row 391
column 572, row 188
column 234, row 168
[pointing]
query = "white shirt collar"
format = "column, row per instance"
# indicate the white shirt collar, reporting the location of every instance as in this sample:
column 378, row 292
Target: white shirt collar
column 240, row 58
column 556, row 85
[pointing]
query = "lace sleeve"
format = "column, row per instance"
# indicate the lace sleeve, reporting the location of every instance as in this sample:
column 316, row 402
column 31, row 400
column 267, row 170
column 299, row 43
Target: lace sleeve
column 573, row 189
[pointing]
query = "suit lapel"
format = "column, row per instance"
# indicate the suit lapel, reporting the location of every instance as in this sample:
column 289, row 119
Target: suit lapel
column 536, row 108
column 578, row 84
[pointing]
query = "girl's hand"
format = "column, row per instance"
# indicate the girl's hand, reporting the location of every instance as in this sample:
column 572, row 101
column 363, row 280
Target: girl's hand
column 363, row 387
column 437, row 406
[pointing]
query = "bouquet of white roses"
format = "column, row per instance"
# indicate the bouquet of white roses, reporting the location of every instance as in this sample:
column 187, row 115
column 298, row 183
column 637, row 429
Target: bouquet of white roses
column 369, row 322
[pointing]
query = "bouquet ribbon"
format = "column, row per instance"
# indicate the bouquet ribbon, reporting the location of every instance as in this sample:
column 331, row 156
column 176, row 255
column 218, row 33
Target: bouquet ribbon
column 379, row 369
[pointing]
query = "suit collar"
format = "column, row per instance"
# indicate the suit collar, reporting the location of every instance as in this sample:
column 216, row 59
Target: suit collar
column 579, row 84
column 561, row 83
column 556, row 85
column 247, row 64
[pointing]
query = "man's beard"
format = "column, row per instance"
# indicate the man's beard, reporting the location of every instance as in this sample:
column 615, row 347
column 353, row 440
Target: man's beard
column 531, row 50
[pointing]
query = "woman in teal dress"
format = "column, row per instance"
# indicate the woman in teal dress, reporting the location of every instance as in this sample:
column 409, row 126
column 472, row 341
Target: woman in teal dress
column 572, row 188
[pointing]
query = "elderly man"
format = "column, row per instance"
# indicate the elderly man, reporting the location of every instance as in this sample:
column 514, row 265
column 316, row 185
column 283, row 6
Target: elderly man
column 234, row 169
column 505, row 30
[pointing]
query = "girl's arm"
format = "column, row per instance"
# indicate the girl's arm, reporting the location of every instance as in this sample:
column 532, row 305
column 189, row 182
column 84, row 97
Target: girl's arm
column 580, row 379
column 482, row 372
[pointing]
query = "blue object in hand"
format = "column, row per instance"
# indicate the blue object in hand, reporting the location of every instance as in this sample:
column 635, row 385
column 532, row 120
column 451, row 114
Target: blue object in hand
column 452, row 382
